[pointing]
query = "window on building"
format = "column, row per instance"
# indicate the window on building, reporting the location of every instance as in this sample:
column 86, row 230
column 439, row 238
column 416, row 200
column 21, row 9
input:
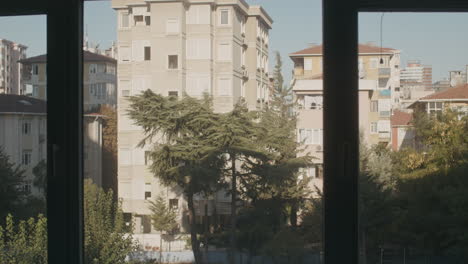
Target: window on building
column 374, row 62
column 173, row 93
column 26, row 157
column 27, row 186
column 224, row 87
column 147, row 157
column 147, row 20
column 224, row 16
column 124, row 20
column 224, row 52
column 92, row 68
column 172, row 26
column 174, row 204
column 197, row 85
column 373, row 127
column 199, row 14
column 374, row 106
column 198, row 48
column 125, row 54
column 307, row 64
column 173, row 62
column 138, row 20
column 26, row 127
column 125, row 87
column 434, row 107
column 35, row 69
column 147, row 53
column 147, row 195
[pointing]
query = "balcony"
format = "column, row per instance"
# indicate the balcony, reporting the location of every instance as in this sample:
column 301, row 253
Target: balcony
column 384, row 72
column 384, row 135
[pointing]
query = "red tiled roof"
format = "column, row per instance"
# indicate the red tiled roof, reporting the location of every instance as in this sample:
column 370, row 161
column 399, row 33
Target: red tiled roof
column 459, row 92
column 400, row 118
column 87, row 56
column 363, row 48
column 12, row 103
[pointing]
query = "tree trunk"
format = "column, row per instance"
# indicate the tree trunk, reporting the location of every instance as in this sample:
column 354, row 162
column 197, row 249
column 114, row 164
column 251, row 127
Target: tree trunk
column 232, row 256
column 293, row 214
column 193, row 231
column 160, row 247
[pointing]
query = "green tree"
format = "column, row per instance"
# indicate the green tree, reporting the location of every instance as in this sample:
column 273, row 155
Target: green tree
column 163, row 217
column 40, row 176
column 24, row 242
column 181, row 155
column 105, row 239
column 11, row 179
column 109, row 148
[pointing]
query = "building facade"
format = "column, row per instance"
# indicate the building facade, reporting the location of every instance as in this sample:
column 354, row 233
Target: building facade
column 23, row 137
column 99, row 79
column 177, row 47
column 10, row 69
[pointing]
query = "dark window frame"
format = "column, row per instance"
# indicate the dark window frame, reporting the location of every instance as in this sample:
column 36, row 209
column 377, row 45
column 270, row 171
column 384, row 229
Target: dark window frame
column 340, row 29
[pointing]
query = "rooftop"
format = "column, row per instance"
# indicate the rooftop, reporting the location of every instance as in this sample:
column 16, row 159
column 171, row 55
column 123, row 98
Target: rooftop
column 87, row 57
column 11, row 103
column 363, row 48
column 400, row 118
column 459, row 92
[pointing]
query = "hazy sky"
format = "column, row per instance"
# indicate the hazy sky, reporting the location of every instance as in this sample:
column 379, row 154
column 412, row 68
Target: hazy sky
column 436, row 39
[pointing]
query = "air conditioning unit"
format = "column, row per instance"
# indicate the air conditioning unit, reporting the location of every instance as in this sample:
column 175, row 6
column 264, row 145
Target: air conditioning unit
column 245, row 74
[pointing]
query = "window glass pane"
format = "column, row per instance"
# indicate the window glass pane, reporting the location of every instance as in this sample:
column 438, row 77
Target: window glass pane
column 222, row 108
column 410, row 166
column 23, row 139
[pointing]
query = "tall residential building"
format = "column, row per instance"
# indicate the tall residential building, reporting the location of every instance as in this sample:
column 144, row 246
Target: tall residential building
column 457, row 78
column 416, row 81
column 441, row 85
column 10, row 69
column 173, row 47
column 99, row 79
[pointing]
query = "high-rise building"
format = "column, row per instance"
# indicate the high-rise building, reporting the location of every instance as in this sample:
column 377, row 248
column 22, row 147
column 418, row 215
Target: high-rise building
column 10, row 69
column 184, row 46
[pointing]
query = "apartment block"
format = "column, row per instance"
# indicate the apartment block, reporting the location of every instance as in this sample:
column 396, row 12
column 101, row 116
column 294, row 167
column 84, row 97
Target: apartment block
column 380, row 66
column 99, row 79
column 10, row 69
column 23, row 137
column 177, row 47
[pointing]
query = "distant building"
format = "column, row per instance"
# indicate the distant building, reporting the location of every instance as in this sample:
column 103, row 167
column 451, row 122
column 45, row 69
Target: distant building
column 377, row 64
column 441, row 85
column 416, row 82
column 99, row 79
column 23, row 137
column 402, row 135
column 457, row 78
column 10, row 69
column 454, row 98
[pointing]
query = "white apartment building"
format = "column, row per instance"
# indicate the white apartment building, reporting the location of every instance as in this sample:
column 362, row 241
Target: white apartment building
column 10, row 69
column 23, row 137
column 172, row 47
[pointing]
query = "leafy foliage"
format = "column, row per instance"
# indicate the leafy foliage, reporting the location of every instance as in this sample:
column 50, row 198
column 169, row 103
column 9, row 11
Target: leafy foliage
column 164, row 219
column 11, row 179
column 105, row 239
column 25, row 242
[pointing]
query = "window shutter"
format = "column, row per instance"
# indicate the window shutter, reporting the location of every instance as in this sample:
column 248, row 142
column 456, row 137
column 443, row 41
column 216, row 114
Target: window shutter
column 307, row 64
column 172, row 26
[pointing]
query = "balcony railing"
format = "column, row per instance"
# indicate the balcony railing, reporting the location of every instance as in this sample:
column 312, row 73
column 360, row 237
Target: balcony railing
column 384, row 71
column 384, row 135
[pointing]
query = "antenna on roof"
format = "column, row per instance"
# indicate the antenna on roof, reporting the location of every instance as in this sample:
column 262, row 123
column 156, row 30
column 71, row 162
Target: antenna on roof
column 381, row 37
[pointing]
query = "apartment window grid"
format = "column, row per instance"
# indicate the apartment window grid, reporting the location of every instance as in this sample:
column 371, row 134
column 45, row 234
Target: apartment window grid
column 173, row 62
column 311, row 136
column 26, row 127
column 147, row 51
column 373, row 63
column 172, row 26
column 98, row 91
column 35, row 69
column 434, row 107
column 374, row 106
column 373, row 128
column 93, row 68
column 224, row 16
column 26, row 157
column 124, row 20
column 174, row 204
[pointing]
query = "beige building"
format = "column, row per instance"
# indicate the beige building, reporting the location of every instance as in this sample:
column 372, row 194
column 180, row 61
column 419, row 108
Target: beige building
column 99, row 79
column 23, row 137
column 379, row 93
column 10, row 69
column 177, row 47
column 381, row 65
